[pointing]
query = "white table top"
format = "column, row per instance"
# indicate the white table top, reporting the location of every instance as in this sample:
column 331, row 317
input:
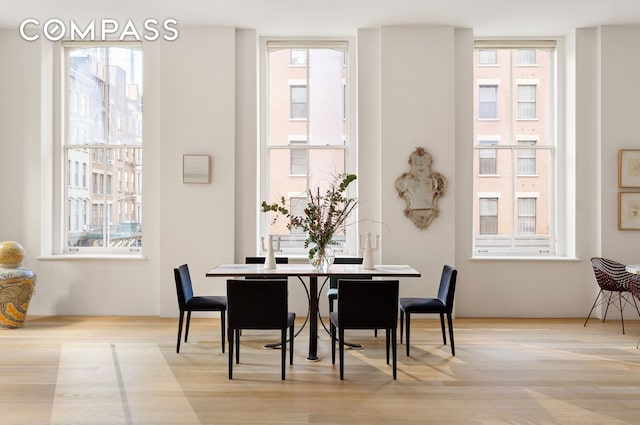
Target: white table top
column 308, row 270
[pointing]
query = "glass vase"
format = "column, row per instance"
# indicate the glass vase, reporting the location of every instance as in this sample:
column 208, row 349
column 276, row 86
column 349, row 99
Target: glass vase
column 323, row 258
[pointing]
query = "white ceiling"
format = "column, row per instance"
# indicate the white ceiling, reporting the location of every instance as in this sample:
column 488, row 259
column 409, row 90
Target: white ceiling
column 341, row 17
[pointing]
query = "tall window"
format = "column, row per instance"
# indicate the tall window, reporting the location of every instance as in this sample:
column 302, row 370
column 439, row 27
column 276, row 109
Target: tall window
column 307, row 133
column 108, row 81
column 524, row 223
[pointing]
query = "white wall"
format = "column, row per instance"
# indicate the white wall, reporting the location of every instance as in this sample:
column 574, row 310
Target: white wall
column 619, row 71
column 414, row 89
column 189, row 109
column 417, row 109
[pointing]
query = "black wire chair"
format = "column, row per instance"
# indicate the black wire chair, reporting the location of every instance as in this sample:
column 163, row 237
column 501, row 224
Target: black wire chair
column 614, row 282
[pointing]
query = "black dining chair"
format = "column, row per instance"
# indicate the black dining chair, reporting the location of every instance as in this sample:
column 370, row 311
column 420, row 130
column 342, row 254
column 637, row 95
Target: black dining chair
column 187, row 302
column 259, row 304
column 365, row 304
column 332, row 291
column 441, row 305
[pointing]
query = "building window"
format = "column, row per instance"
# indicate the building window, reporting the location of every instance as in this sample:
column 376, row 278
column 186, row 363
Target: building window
column 526, row 56
column 488, row 102
column 487, row 57
column 488, row 158
column 298, row 96
column 307, row 135
column 526, row 216
column 526, row 158
column 298, row 165
column 526, row 101
column 488, row 216
column 298, row 57
column 109, row 78
column 522, row 223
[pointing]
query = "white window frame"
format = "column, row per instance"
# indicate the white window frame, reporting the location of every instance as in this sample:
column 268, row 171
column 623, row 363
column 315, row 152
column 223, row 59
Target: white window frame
column 350, row 145
column 56, row 224
column 560, row 244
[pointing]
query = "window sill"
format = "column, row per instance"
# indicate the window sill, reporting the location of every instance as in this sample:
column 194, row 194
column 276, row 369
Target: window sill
column 523, row 258
column 67, row 257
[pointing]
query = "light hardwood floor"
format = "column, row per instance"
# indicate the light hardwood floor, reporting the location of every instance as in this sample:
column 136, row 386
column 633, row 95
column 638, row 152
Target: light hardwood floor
column 124, row 370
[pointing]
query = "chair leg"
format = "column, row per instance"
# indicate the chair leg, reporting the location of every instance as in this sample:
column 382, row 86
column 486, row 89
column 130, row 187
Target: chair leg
column 621, row 315
column 375, row 332
column 387, row 337
column 408, row 331
column 179, row 331
column 291, row 338
column 341, row 343
column 231, row 342
column 444, row 334
column 186, row 332
column 450, row 324
column 223, row 327
column 283, row 349
column 394, row 351
column 237, row 331
column 592, row 307
column 401, row 323
column 636, row 304
column 333, row 344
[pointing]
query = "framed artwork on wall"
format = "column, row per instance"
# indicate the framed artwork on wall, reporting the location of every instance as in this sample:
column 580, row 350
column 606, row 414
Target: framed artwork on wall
column 195, row 169
column 629, row 210
column 629, row 168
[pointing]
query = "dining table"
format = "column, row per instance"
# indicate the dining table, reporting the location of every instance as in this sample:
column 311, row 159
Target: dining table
column 350, row 271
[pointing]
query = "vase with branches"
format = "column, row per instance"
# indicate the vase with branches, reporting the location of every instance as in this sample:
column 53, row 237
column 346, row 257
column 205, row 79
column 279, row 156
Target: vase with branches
column 324, row 216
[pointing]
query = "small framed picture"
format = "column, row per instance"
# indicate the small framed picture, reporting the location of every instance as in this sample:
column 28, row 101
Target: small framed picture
column 196, row 169
column 629, row 168
column 629, row 210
